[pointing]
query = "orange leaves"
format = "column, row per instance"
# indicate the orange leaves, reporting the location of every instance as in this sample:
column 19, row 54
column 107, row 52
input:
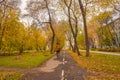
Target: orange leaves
column 3, row 74
column 10, row 75
column 105, row 66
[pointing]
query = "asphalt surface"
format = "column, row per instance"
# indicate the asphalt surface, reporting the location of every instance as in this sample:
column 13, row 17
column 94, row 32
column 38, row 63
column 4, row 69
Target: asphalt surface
column 62, row 68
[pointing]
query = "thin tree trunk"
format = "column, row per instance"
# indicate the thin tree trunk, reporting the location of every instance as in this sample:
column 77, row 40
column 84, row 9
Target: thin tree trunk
column 100, row 40
column 70, row 42
column 51, row 27
column 73, row 33
column 111, row 41
column 75, row 36
column 76, row 33
column 116, row 39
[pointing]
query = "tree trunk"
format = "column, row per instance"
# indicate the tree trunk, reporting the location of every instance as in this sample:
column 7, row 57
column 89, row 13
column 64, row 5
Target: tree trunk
column 2, row 29
column 85, row 27
column 76, row 49
column 111, row 41
column 1, row 37
column 116, row 39
column 74, row 33
column 21, row 50
column 70, row 42
column 51, row 27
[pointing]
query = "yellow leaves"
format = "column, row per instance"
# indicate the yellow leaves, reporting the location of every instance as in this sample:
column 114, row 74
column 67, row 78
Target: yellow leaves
column 3, row 74
column 77, row 59
column 106, row 3
column 101, row 78
column 10, row 75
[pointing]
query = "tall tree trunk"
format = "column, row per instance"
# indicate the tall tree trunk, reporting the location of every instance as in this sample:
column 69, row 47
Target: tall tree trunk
column 116, row 39
column 70, row 42
column 85, row 27
column 111, row 41
column 76, row 49
column 51, row 27
column 100, row 39
column 1, row 37
column 71, row 27
column 2, row 29
column 101, row 33
column 74, row 33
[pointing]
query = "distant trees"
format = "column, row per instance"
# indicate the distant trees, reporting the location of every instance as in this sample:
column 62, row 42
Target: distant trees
column 35, row 13
column 14, row 36
column 83, row 25
column 104, row 32
column 73, row 22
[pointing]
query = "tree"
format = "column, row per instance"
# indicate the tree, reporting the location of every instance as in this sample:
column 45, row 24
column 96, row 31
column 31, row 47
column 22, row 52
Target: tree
column 37, row 38
column 60, row 33
column 102, row 20
column 7, row 14
column 83, row 12
column 81, row 40
column 74, row 30
column 12, row 39
column 51, row 26
column 37, row 11
column 5, row 11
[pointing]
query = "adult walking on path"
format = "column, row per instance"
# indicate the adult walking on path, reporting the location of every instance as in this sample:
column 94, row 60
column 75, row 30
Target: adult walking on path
column 63, row 69
column 57, row 49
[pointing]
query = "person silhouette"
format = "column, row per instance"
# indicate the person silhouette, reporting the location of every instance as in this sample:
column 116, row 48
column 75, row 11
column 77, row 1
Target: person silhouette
column 57, row 49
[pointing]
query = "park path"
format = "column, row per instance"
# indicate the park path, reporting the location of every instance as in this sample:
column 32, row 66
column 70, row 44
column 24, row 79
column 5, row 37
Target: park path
column 62, row 68
column 102, row 52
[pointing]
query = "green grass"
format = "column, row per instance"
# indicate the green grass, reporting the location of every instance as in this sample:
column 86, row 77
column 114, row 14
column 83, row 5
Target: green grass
column 108, row 66
column 10, row 75
column 28, row 60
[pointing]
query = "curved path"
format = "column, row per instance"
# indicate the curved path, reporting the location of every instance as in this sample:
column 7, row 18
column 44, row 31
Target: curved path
column 62, row 68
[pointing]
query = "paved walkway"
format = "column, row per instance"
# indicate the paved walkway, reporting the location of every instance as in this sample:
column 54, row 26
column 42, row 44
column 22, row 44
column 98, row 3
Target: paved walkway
column 101, row 52
column 63, row 68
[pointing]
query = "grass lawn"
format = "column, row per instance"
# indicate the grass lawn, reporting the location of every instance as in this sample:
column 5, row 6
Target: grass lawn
column 106, row 66
column 28, row 60
column 10, row 75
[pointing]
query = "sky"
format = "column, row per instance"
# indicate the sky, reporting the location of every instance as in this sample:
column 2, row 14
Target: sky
column 27, row 21
column 23, row 6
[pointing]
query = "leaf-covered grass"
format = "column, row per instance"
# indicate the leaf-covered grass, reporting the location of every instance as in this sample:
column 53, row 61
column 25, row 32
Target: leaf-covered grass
column 106, row 66
column 27, row 60
column 10, row 75
column 102, row 78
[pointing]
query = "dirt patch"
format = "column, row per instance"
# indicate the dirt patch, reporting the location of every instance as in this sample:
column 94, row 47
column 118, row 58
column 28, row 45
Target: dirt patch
column 18, row 58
